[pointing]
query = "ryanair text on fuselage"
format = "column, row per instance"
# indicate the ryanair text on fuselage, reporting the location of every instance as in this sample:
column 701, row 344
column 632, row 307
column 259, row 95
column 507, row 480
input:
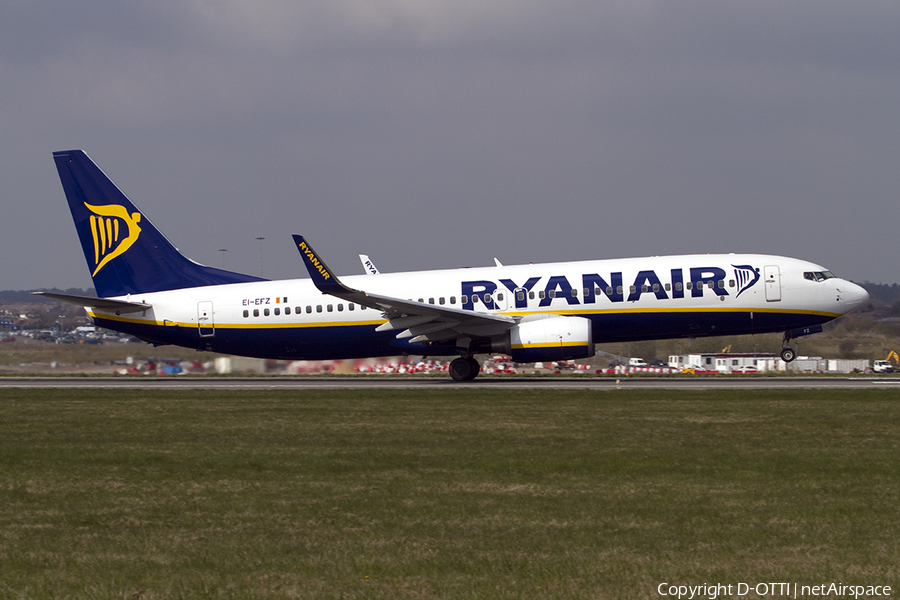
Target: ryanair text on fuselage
column 714, row 279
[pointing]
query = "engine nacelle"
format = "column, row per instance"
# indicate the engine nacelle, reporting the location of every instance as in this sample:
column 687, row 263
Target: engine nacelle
column 547, row 338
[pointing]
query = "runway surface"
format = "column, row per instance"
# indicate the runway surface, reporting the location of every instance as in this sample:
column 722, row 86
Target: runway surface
column 414, row 382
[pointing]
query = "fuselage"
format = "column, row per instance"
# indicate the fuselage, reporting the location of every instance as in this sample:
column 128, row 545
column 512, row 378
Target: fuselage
column 625, row 299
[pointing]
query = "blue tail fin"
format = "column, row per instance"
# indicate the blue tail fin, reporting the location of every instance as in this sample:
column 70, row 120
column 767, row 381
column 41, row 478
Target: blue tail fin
column 125, row 253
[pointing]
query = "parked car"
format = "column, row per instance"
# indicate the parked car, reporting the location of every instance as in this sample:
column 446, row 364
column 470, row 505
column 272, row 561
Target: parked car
column 745, row 369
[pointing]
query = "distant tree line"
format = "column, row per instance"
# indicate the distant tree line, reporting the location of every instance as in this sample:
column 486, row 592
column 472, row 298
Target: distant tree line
column 882, row 294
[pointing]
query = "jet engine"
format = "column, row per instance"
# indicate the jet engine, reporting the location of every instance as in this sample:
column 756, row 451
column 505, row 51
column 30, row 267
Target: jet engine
column 547, row 338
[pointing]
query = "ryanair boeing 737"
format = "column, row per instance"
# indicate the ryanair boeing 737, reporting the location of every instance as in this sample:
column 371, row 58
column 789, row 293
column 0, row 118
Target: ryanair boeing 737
column 534, row 312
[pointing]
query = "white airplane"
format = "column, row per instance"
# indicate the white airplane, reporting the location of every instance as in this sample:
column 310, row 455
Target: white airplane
column 533, row 312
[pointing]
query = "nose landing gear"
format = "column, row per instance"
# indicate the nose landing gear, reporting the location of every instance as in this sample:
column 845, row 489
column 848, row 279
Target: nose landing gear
column 787, row 353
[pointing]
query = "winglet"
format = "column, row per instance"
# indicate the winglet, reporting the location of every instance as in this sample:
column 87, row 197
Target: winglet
column 321, row 275
column 368, row 265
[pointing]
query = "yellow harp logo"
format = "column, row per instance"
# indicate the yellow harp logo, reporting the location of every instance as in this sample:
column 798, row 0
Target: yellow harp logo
column 110, row 240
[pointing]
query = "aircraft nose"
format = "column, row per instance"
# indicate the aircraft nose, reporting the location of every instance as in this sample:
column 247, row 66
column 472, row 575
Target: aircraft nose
column 854, row 296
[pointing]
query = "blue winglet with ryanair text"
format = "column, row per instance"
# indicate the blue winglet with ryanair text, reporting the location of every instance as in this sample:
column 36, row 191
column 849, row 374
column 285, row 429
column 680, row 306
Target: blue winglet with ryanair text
column 321, row 275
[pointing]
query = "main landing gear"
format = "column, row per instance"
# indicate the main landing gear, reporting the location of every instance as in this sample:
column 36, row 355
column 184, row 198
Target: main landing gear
column 464, row 368
column 787, row 353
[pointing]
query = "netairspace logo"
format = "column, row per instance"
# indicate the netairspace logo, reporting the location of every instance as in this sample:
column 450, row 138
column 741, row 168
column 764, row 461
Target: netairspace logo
column 773, row 590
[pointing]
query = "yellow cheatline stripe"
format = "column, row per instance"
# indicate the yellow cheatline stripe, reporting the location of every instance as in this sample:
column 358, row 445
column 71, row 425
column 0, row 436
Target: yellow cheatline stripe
column 257, row 325
column 295, row 325
column 548, row 345
column 616, row 311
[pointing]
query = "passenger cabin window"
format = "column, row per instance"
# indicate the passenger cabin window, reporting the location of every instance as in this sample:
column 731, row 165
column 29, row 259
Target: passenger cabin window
column 277, row 311
column 255, row 312
column 265, row 312
column 340, row 308
column 287, row 310
column 246, row 313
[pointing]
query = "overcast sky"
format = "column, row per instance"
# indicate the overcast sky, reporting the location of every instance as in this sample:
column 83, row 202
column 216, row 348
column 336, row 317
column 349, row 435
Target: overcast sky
column 437, row 134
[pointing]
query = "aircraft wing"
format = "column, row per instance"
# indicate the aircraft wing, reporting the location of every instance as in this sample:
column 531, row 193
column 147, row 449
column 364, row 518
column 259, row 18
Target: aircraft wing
column 419, row 321
column 103, row 303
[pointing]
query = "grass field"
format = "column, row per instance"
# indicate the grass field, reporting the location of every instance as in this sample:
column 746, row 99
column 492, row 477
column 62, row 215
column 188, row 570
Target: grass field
column 443, row 494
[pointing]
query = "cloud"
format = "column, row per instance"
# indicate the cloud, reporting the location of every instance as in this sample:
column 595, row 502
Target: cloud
column 552, row 130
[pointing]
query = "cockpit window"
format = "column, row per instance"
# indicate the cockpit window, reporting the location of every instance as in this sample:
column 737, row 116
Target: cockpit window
column 818, row 275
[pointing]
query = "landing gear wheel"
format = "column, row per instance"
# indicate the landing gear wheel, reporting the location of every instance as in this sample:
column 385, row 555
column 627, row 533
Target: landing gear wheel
column 788, row 354
column 464, row 369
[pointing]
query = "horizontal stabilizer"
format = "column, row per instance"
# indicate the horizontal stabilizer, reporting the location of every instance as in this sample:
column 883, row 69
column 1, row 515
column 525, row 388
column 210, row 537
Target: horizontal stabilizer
column 101, row 303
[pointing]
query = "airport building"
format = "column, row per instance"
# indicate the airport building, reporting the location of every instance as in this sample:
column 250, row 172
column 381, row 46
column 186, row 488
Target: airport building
column 765, row 363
